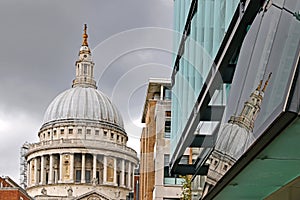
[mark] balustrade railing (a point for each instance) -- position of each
(78, 143)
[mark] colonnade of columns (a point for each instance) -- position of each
(80, 168)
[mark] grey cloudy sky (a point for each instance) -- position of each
(40, 40)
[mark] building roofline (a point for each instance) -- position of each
(166, 81)
(151, 90)
(15, 186)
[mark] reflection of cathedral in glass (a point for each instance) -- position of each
(234, 138)
(82, 152)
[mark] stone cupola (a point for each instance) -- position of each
(84, 65)
(251, 108)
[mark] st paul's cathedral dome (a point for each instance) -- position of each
(83, 103)
(82, 151)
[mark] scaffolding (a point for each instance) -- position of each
(23, 165)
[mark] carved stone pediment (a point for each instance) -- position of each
(93, 195)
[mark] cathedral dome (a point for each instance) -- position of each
(82, 149)
(83, 103)
(236, 136)
(233, 140)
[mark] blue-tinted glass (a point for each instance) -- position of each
(208, 28)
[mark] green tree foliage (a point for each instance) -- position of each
(186, 188)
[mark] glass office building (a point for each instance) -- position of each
(203, 25)
(226, 48)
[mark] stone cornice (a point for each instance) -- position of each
(83, 122)
(81, 144)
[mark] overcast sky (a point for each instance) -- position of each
(40, 40)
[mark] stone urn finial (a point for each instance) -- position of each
(44, 191)
(70, 192)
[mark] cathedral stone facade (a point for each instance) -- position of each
(82, 152)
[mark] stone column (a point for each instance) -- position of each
(94, 165)
(104, 169)
(115, 171)
(56, 176)
(42, 170)
(132, 183)
(51, 137)
(50, 181)
(129, 177)
(31, 173)
(35, 172)
(83, 168)
(161, 92)
(72, 167)
(122, 174)
(60, 168)
(28, 173)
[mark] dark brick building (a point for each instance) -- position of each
(9, 190)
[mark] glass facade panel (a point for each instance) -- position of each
(278, 2)
(208, 27)
(281, 62)
(292, 5)
(271, 46)
(254, 53)
(184, 159)
(170, 180)
(173, 181)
